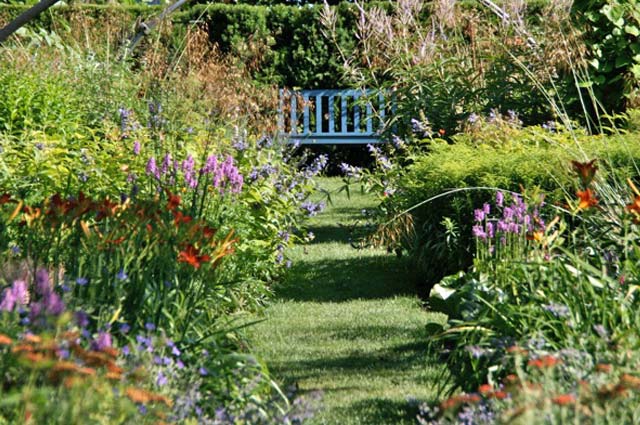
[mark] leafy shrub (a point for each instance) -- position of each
(57, 368)
(163, 210)
(611, 34)
(545, 325)
(493, 156)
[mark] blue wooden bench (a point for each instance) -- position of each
(331, 116)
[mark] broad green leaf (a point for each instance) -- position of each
(441, 292)
(633, 30)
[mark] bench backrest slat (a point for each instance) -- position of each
(318, 113)
(349, 112)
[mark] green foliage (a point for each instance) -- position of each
(494, 156)
(279, 44)
(612, 35)
(557, 305)
(36, 102)
(145, 186)
(442, 65)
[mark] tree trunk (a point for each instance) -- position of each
(25, 17)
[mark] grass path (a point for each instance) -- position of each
(345, 322)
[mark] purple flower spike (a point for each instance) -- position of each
(161, 380)
(490, 230)
(82, 319)
(43, 286)
(514, 228)
(499, 199)
(102, 341)
(508, 214)
(478, 232)
(54, 304)
(167, 163)
(14, 296)
(152, 168)
(478, 215)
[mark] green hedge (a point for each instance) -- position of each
(532, 158)
(289, 39)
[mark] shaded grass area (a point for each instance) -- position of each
(347, 322)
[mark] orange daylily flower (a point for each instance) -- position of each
(612, 391)
(456, 401)
(59, 206)
(564, 399)
(180, 218)
(535, 236)
(32, 339)
(634, 207)
(111, 352)
(5, 340)
(208, 232)
(114, 368)
(514, 349)
(31, 214)
(5, 198)
(191, 256)
(603, 367)
(511, 379)
(630, 381)
(485, 389)
(106, 209)
(65, 366)
(139, 395)
(500, 395)
(22, 348)
(544, 362)
(174, 202)
(35, 358)
(95, 358)
(587, 199)
(81, 206)
(585, 170)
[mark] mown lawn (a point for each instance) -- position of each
(346, 322)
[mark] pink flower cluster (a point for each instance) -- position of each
(220, 172)
(47, 303)
(516, 219)
(15, 296)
